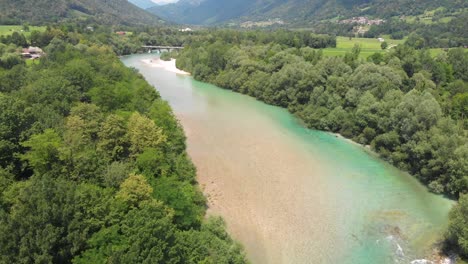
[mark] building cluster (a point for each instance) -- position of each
(185, 30)
(362, 21)
(32, 53)
(269, 22)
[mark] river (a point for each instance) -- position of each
(291, 194)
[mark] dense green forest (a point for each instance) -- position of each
(124, 45)
(93, 166)
(109, 12)
(409, 107)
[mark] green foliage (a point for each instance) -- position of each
(401, 105)
(161, 113)
(458, 227)
(113, 138)
(188, 202)
(384, 45)
(115, 174)
(17, 39)
(213, 244)
(15, 120)
(47, 214)
(10, 60)
(436, 33)
(458, 58)
(153, 162)
(75, 130)
(143, 133)
(167, 56)
(108, 13)
(134, 190)
(44, 153)
(138, 235)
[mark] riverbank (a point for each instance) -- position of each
(294, 195)
(166, 65)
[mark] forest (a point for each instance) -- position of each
(408, 106)
(93, 163)
(160, 36)
(43, 12)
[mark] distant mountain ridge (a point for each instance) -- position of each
(100, 11)
(292, 11)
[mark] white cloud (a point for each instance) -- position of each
(163, 2)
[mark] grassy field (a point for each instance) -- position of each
(8, 30)
(429, 15)
(368, 46)
(30, 63)
(365, 43)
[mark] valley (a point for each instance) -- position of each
(233, 132)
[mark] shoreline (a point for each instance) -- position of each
(242, 206)
(367, 148)
(438, 257)
(166, 65)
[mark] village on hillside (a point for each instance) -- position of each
(362, 21)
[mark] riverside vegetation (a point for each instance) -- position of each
(409, 107)
(68, 122)
(93, 164)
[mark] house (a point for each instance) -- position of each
(381, 39)
(121, 33)
(90, 28)
(32, 53)
(185, 30)
(362, 21)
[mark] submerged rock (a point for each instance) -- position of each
(422, 261)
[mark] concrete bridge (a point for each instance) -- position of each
(150, 49)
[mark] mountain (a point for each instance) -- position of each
(202, 11)
(293, 11)
(144, 4)
(109, 12)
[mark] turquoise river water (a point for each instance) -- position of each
(291, 194)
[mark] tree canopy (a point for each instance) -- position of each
(93, 166)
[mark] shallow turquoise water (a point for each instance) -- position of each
(380, 214)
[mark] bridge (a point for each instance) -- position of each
(149, 48)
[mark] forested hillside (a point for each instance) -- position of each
(295, 12)
(109, 12)
(93, 167)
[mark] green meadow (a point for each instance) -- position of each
(369, 46)
(9, 29)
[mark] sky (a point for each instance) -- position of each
(161, 2)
